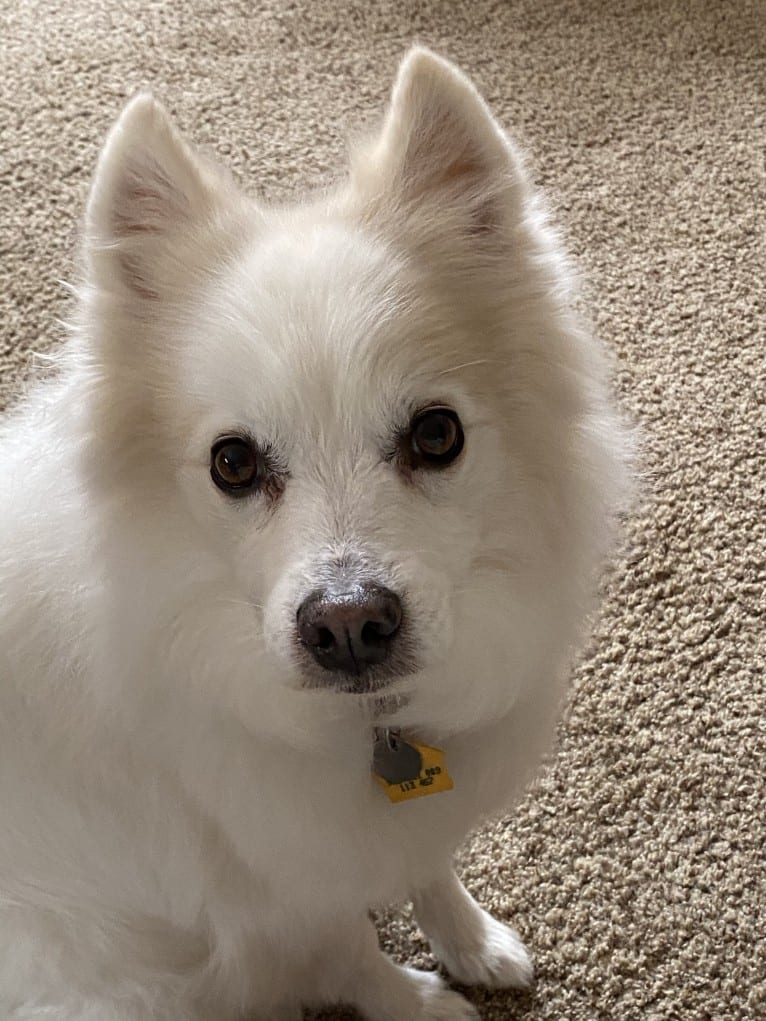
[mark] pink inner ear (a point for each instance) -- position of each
(438, 162)
(146, 204)
(465, 166)
(146, 201)
(131, 269)
(441, 152)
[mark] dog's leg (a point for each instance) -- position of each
(472, 946)
(363, 976)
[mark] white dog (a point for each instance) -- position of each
(300, 536)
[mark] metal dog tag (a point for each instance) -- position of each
(408, 770)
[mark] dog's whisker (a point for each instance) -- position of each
(467, 365)
(231, 601)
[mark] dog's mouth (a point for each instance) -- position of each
(369, 683)
(380, 691)
(387, 704)
(352, 685)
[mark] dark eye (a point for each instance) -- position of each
(234, 465)
(436, 437)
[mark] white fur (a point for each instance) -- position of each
(188, 830)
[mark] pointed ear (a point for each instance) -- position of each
(440, 143)
(150, 188)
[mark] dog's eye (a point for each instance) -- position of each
(436, 437)
(234, 465)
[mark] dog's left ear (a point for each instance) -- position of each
(440, 147)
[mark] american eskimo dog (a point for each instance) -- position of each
(294, 549)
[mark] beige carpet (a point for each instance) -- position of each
(636, 867)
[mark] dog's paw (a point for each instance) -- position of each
(494, 958)
(438, 1002)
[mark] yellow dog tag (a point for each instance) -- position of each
(408, 770)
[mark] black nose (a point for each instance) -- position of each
(351, 629)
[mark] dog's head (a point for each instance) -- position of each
(370, 416)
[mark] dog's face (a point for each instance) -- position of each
(338, 454)
(359, 407)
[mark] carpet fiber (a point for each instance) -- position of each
(635, 867)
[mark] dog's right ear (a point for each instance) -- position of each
(440, 152)
(151, 194)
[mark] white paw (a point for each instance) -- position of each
(440, 1003)
(494, 958)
